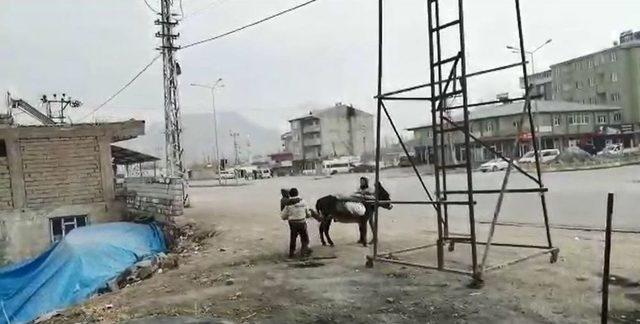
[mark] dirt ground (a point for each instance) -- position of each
(242, 275)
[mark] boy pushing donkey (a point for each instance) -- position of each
(294, 210)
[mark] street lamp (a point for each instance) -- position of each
(533, 71)
(217, 84)
(517, 50)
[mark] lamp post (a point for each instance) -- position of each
(533, 71)
(217, 84)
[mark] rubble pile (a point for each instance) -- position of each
(144, 270)
(182, 240)
(186, 239)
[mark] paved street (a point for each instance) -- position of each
(574, 198)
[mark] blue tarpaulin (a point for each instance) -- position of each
(74, 269)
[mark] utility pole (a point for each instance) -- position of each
(235, 147)
(249, 156)
(171, 70)
(64, 101)
(363, 131)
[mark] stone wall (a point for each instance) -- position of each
(157, 198)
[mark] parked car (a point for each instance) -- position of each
(494, 165)
(611, 149)
(264, 174)
(227, 174)
(309, 172)
(545, 156)
(363, 167)
(405, 161)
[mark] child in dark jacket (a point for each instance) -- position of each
(285, 198)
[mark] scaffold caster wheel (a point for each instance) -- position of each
(369, 263)
(452, 246)
(554, 256)
(476, 283)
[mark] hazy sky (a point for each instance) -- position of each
(311, 58)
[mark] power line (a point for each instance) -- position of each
(198, 11)
(181, 11)
(122, 88)
(150, 7)
(190, 45)
(250, 25)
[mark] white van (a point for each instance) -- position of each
(336, 166)
(545, 156)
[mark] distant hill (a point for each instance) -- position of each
(198, 137)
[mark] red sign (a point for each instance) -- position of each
(525, 136)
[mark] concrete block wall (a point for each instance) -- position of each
(61, 171)
(160, 198)
(6, 196)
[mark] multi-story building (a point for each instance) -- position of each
(607, 77)
(285, 139)
(542, 84)
(328, 133)
(560, 125)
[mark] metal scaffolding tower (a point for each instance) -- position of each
(449, 93)
(171, 69)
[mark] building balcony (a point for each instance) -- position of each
(312, 142)
(311, 129)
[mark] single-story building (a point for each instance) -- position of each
(54, 178)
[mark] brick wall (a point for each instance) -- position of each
(61, 171)
(160, 198)
(6, 197)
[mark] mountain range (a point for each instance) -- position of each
(198, 137)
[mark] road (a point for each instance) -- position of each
(574, 198)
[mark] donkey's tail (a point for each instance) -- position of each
(317, 215)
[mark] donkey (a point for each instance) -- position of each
(328, 209)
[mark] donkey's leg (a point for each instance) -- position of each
(370, 221)
(322, 232)
(326, 231)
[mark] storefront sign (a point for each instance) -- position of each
(626, 128)
(525, 136)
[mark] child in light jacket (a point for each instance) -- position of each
(296, 213)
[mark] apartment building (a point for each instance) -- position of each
(542, 84)
(341, 130)
(607, 77)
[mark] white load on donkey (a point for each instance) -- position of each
(348, 209)
(351, 204)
